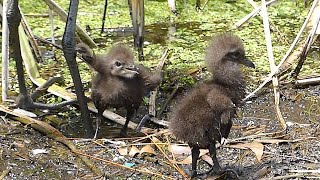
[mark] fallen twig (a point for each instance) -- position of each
(53, 40)
(273, 27)
(151, 135)
(205, 4)
(51, 132)
(172, 163)
(4, 174)
(284, 177)
(152, 99)
(305, 171)
(307, 81)
(50, 43)
(255, 136)
(122, 166)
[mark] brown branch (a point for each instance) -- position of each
(307, 81)
(31, 38)
(311, 37)
(163, 107)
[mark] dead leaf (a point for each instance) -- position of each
(255, 130)
(147, 149)
(133, 151)
(123, 151)
(188, 160)
(158, 142)
(155, 140)
(255, 147)
(179, 150)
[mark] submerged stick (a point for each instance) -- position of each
(63, 16)
(275, 81)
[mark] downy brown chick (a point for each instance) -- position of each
(204, 115)
(119, 82)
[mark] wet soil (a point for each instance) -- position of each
(296, 155)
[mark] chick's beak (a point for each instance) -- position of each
(133, 69)
(247, 62)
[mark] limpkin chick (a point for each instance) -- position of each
(204, 115)
(119, 82)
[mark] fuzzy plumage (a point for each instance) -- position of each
(119, 81)
(204, 115)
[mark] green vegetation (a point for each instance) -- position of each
(186, 36)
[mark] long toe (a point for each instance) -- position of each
(231, 173)
(193, 174)
(216, 171)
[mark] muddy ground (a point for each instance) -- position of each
(290, 154)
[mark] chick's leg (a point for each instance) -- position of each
(213, 153)
(130, 113)
(98, 122)
(195, 152)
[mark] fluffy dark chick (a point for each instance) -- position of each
(119, 82)
(204, 115)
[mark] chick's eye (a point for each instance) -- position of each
(118, 63)
(237, 54)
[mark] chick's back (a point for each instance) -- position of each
(197, 116)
